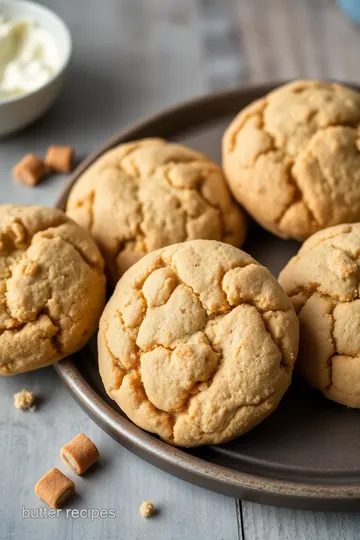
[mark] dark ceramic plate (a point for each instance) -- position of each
(307, 453)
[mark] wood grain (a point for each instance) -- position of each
(266, 523)
(132, 57)
(255, 41)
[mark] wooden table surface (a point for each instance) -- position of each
(133, 57)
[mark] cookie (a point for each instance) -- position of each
(148, 194)
(52, 287)
(197, 343)
(323, 282)
(292, 158)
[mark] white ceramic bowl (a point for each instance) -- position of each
(19, 111)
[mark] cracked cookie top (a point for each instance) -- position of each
(197, 343)
(52, 287)
(292, 158)
(148, 194)
(323, 281)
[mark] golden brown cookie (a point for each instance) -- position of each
(148, 194)
(52, 287)
(323, 282)
(292, 158)
(197, 343)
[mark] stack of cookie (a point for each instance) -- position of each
(198, 341)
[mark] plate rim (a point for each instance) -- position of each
(215, 477)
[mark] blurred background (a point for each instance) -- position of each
(134, 57)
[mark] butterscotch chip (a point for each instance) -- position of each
(60, 158)
(24, 399)
(80, 453)
(30, 170)
(148, 194)
(147, 509)
(323, 282)
(292, 158)
(197, 343)
(52, 287)
(55, 488)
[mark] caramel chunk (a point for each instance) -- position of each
(80, 453)
(147, 509)
(59, 158)
(55, 488)
(24, 399)
(30, 170)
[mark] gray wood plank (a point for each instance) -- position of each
(224, 63)
(132, 57)
(268, 523)
(285, 39)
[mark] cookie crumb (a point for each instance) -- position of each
(59, 158)
(30, 170)
(29, 268)
(147, 509)
(24, 400)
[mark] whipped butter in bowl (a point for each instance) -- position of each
(35, 48)
(29, 57)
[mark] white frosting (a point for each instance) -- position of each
(29, 57)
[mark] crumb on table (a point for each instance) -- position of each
(24, 399)
(147, 509)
